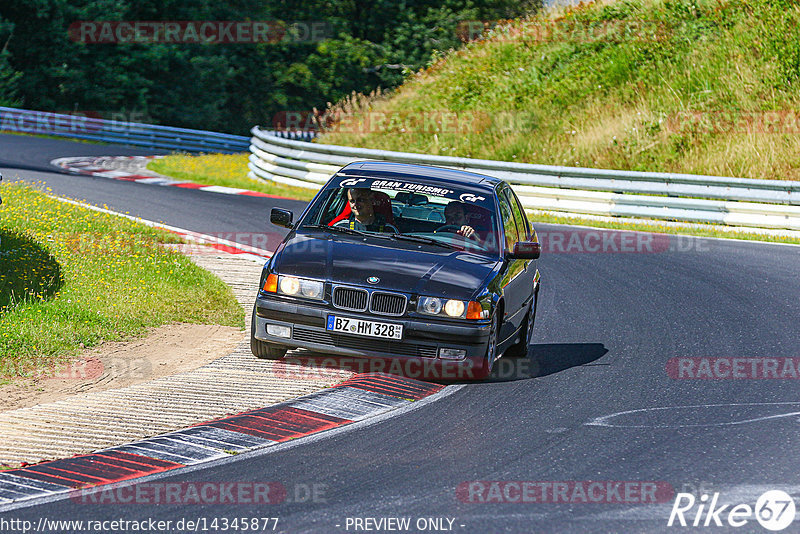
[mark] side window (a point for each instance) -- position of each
(325, 207)
(519, 215)
(509, 226)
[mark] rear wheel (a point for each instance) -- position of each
(262, 349)
(485, 368)
(520, 349)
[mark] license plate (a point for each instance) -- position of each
(361, 327)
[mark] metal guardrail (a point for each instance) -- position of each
(129, 133)
(565, 190)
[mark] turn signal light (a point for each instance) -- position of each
(271, 283)
(474, 310)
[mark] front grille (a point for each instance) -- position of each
(348, 298)
(388, 303)
(361, 343)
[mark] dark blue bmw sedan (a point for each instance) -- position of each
(432, 269)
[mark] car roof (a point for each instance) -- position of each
(426, 173)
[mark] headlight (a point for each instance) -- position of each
(289, 285)
(301, 287)
(311, 289)
(429, 305)
(454, 308)
(437, 306)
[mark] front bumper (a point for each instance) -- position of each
(416, 355)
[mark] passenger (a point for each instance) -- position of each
(362, 213)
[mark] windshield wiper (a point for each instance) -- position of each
(422, 239)
(345, 230)
(342, 229)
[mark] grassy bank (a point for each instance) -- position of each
(70, 276)
(229, 170)
(706, 87)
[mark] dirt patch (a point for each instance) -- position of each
(166, 350)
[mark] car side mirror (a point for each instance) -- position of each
(281, 217)
(526, 250)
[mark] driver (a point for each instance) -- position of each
(455, 215)
(362, 213)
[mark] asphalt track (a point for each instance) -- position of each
(210, 213)
(608, 324)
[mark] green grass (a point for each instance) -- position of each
(72, 276)
(628, 84)
(229, 170)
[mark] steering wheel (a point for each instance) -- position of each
(454, 228)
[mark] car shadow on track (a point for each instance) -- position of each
(554, 357)
(541, 360)
(546, 359)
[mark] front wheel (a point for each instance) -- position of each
(262, 349)
(485, 369)
(266, 351)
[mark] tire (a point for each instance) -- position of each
(491, 352)
(520, 348)
(262, 349)
(266, 351)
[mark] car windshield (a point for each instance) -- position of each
(433, 214)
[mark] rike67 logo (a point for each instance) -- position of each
(774, 510)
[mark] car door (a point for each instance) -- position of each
(526, 233)
(514, 282)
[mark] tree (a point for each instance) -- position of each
(225, 87)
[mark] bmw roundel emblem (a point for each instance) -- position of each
(373, 279)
